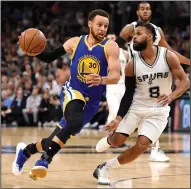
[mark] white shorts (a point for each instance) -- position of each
(114, 94)
(151, 121)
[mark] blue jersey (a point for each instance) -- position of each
(86, 60)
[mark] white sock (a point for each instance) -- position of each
(112, 163)
(157, 145)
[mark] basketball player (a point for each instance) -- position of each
(92, 56)
(144, 14)
(114, 93)
(148, 80)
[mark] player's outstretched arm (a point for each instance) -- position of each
(125, 35)
(67, 47)
(113, 76)
(163, 43)
(178, 73)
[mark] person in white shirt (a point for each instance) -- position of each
(32, 104)
(114, 93)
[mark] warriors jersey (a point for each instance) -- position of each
(156, 42)
(85, 61)
(151, 80)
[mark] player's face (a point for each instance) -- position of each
(144, 12)
(62, 75)
(111, 37)
(140, 39)
(98, 27)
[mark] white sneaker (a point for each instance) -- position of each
(101, 173)
(157, 155)
(102, 145)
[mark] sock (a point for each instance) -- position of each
(53, 149)
(112, 163)
(157, 145)
(30, 149)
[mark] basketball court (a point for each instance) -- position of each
(74, 165)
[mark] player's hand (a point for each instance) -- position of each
(165, 99)
(93, 80)
(112, 126)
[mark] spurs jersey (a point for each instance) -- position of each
(151, 80)
(156, 42)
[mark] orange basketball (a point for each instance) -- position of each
(32, 42)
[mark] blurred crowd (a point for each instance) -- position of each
(29, 91)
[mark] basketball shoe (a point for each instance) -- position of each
(157, 155)
(20, 159)
(102, 145)
(101, 173)
(39, 170)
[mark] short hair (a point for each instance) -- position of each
(149, 27)
(143, 2)
(98, 12)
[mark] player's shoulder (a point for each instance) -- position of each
(76, 39)
(111, 47)
(170, 54)
(111, 44)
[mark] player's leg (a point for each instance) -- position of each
(114, 95)
(113, 100)
(35, 115)
(124, 129)
(23, 151)
(74, 116)
(25, 115)
(149, 131)
(72, 103)
(102, 170)
(113, 104)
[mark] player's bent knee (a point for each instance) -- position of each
(45, 142)
(73, 127)
(142, 143)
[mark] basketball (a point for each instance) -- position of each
(32, 41)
